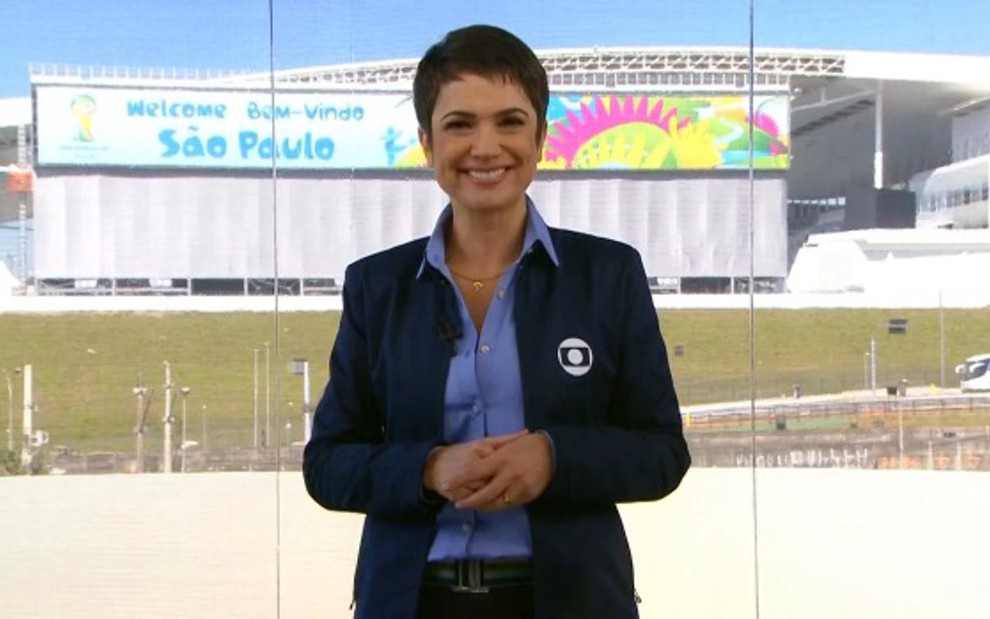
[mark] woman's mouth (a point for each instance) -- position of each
(487, 176)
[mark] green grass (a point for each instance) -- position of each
(86, 365)
(822, 350)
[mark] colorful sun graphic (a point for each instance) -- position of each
(696, 147)
(630, 132)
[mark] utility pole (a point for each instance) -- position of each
(167, 448)
(28, 434)
(10, 412)
(203, 419)
(873, 365)
(139, 426)
(300, 367)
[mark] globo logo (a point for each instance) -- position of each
(575, 356)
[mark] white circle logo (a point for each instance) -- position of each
(575, 356)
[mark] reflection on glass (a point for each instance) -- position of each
(130, 381)
(645, 149)
(886, 226)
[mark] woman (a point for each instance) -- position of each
(497, 387)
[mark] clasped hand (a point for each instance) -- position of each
(492, 473)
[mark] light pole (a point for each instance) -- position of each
(204, 428)
(301, 367)
(184, 391)
(167, 420)
(10, 412)
(288, 422)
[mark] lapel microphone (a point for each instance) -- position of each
(447, 326)
(446, 331)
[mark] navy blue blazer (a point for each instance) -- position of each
(616, 429)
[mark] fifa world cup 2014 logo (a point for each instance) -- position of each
(83, 108)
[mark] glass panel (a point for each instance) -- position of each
(133, 334)
(683, 206)
(859, 412)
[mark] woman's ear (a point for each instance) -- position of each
(424, 141)
(541, 142)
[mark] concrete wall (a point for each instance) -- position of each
(828, 543)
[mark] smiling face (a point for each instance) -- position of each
(484, 143)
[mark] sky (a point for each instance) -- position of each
(235, 34)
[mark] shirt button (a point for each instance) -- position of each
(501, 293)
(476, 408)
(485, 349)
(466, 527)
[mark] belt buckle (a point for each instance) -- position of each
(469, 577)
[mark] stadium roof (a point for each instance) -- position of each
(610, 67)
(587, 67)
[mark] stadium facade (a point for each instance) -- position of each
(149, 181)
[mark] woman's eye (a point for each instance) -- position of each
(456, 124)
(513, 121)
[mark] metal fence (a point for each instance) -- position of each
(807, 383)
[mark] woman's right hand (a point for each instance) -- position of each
(452, 471)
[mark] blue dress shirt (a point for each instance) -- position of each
(483, 398)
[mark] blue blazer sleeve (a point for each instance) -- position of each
(639, 453)
(347, 465)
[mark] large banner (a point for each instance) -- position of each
(232, 129)
(675, 132)
(221, 129)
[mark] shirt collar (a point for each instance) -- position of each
(537, 232)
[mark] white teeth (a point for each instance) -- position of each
(487, 175)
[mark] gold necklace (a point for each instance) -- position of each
(478, 283)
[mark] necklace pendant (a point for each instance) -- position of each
(478, 285)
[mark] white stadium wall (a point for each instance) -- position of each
(160, 225)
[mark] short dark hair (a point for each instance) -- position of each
(486, 51)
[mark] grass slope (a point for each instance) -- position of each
(86, 365)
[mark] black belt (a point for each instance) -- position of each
(476, 575)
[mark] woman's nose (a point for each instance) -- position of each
(486, 142)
